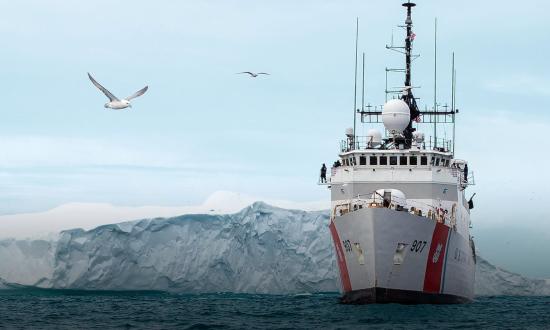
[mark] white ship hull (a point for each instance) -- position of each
(386, 255)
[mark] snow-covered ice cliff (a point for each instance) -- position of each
(3, 285)
(492, 280)
(261, 249)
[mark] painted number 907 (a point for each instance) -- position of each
(418, 246)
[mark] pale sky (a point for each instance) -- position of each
(202, 128)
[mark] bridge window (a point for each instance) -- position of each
(413, 160)
(423, 160)
(437, 161)
(362, 160)
(393, 160)
(383, 160)
(373, 160)
(403, 160)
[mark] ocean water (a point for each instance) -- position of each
(60, 309)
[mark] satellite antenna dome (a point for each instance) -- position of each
(418, 137)
(394, 196)
(349, 132)
(396, 116)
(374, 138)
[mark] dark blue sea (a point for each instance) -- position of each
(58, 309)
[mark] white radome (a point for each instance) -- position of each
(418, 137)
(396, 115)
(374, 138)
(397, 196)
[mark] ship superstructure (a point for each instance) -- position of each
(400, 218)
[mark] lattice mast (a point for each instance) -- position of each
(434, 116)
(407, 95)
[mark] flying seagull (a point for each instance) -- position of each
(114, 102)
(254, 75)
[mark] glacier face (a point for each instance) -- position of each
(261, 249)
(492, 280)
(27, 262)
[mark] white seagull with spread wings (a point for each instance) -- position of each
(252, 74)
(114, 102)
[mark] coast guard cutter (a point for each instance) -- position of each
(400, 218)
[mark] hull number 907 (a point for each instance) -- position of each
(418, 246)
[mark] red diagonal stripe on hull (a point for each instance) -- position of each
(344, 275)
(436, 259)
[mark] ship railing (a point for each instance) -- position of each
(411, 206)
(466, 181)
(470, 181)
(365, 143)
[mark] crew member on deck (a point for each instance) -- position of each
(466, 173)
(323, 174)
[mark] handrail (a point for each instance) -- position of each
(470, 180)
(437, 213)
(365, 143)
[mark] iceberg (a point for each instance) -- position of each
(260, 249)
(492, 281)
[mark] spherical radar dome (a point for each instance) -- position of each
(374, 137)
(418, 137)
(396, 115)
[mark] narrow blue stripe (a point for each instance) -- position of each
(445, 262)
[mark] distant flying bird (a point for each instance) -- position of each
(254, 75)
(114, 102)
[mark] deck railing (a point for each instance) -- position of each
(365, 142)
(376, 200)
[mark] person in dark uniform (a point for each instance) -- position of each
(466, 172)
(323, 174)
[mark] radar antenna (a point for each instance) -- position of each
(406, 92)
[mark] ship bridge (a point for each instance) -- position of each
(395, 167)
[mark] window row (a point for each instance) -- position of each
(397, 160)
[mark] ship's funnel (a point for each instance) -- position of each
(396, 116)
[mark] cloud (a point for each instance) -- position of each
(511, 183)
(519, 84)
(62, 151)
(67, 154)
(91, 215)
